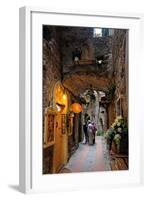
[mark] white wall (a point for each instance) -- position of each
(9, 33)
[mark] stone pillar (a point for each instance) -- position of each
(96, 107)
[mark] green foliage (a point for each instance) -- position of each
(116, 131)
(100, 133)
(109, 134)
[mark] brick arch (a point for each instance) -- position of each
(78, 82)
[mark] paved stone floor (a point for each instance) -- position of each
(89, 158)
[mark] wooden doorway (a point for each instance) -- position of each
(58, 143)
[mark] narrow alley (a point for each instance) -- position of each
(85, 99)
(90, 158)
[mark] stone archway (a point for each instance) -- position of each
(78, 82)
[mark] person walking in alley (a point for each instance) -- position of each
(90, 133)
(85, 129)
(94, 129)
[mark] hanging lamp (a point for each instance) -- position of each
(76, 108)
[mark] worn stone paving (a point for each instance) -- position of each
(90, 158)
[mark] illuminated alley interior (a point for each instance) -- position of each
(85, 99)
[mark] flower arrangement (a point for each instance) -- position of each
(118, 124)
(116, 131)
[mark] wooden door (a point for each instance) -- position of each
(58, 143)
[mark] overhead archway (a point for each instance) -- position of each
(78, 82)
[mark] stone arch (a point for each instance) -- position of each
(78, 82)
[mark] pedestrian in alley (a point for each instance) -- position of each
(94, 129)
(85, 129)
(90, 133)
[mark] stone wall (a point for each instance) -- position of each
(111, 112)
(75, 37)
(51, 74)
(120, 63)
(119, 102)
(90, 46)
(103, 50)
(102, 123)
(51, 64)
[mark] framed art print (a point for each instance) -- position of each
(80, 116)
(49, 127)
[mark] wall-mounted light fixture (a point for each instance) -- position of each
(60, 107)
(64, 97)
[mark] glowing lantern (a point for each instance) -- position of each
(76, 108)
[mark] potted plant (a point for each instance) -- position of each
(116, 134)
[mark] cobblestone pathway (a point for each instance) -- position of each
(89, 158)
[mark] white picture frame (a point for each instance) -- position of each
(30, 159)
